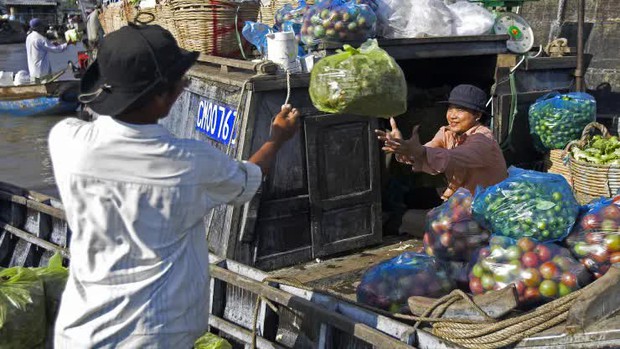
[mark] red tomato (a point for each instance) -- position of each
(531, 277)
(569, 280)
(548, 270)
(590, 222)
(612, 242)
(588, 263)
(611, 212)
(446, 239)
(531, 294)
(544, 253)
(615, 258)
(526, 244)
(475, 286)
(594, 238)
(427, 239)
(529, 260)
(520, 286)
(600, 256)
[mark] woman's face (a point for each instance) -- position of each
(460, 119)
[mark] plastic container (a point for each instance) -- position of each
(282, 50)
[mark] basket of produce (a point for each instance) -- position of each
(555, 163)
(595, 164)
(213, 27)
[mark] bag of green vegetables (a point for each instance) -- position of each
(556, 119)
(364, 81)
(22, 309)
(54, 278)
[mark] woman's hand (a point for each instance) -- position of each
(403, 149)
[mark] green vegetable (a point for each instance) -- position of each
(364, 81)
(557, 119)
(22, 309)
(599, 150)
(211, 341)
(54, 278)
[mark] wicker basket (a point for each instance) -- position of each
(591, 181)
(268, 9)
(116, 15)
(554, 163)
(162, 16)
(213, 27)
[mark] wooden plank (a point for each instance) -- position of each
(263, 67)
(241, 334)
(599, 300)
(41, 207)
(496, 304)
(339, 321)
(33, 239)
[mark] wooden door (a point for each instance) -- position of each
(343, 182)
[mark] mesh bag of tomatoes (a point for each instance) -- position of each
(365, 81)
(388, 285)
(528, 204)
(540, 271)
(595, 239)
(451, 232)
(338, 21)
(556, 119)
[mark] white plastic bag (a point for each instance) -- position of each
(414, 18)
(22, 78)
(471, 19)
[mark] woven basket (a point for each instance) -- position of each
(554, 163)
(213, 27)
(162, 16)
(591, 181)
(116, 15)
(268, 9)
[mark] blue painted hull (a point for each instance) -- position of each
(37, 107)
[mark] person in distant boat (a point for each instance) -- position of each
(37, 48)
(464, 150)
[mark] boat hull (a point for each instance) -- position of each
(38, 106)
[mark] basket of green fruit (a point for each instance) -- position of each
(594, 164)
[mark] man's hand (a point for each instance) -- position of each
(285, 124)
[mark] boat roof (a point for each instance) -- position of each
(29, 2)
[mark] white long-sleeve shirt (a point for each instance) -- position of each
(135, 197)
(37, 48)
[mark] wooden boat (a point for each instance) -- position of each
(246, 302)
(53, 98)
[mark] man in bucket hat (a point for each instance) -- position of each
(465, 150)
(135, 197)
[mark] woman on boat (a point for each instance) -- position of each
(465, 150)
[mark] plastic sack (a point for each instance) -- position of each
(338, 21)
(54, 278)
(364, 81)
(388, 285)
(595, 239)
(471, 19)
(211, 341)
(541, 272)
(288, 13)
(556, 119)
(256, 34)
(414, 18)
(451, 233)
(22, 78)
(528, 204)
(22, 309)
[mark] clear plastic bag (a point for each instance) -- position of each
(595, 239)
(451, 232)
(527, 204)
(388, 285)
(414, 18)
(22, 309)
(540, 271)
(471, 18)
(338, 21)
(54, 278)
(288, 13)
(556, 119)
(364, 81)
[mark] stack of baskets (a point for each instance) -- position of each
(117, 15)
(591, 181)
(213, 27)
(268, 9)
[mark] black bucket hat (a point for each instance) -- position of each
(468, 96)
(131, 62)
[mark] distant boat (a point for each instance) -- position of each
(53, 98)
(12, 32)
